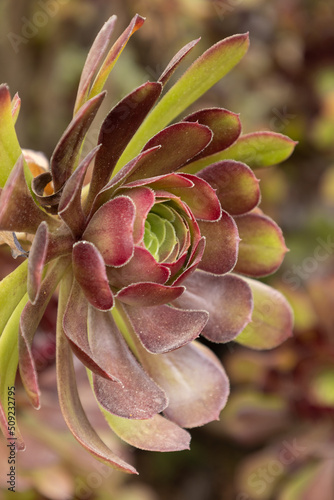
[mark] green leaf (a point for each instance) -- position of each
(9, 357)
(272, 318)
(9, 147)
(207, 70)
(12, 289)
(257, 150)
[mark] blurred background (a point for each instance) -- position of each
(275, 439)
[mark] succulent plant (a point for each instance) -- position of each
(143, 253)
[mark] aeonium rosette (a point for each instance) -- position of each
(143, 253)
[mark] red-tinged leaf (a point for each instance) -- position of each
(136, 396)
(179, 143)
(18, 211)
(141, 267)
(144, 199)
(272, 318)
(10, 149)
(70, 209)
(112, 56)
(65, 156)
(120, 178)
(222, 241)
(30, 318)
(69, 400)
(196, 385)
(193, 263)
(227, 299)
(236, 186)
(111, 230)
(226, 128)
(257, 150)
(149, 294)
(166, 181)
(262, 247)
(93, 61)
(176, 60)
(164, 328)
(4, 426)
(207, 70)
(39, 184)
(117, 129)
(153, 434)
(16, 105)
(75, 326)
(61, 242)
(90, 272)
(200, 198)
(36, 261)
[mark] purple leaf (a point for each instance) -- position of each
(195, 382)
(225, 125)
(193, 263)
(63, 160)
(111, 230)
(70, 403)
(30, 318)
(90, 272)
(136, 396)
(221, 249)
(176, 60)
(36, 261)
(70, 209)
(227, 299)
(179, 143)
(236, 186)
(262, 247)
(144, 199)
(149, 294)
(117, 129)
(153, 434)
(141, 267)
(200, 198)
(93, 61)
(164, 328)
(18, 211)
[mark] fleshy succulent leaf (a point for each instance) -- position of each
(149, 294)
(93, 61)
(179, 143)
(90, 272)
(225, 125)
(16, 105)
(12, 289)
(272, 318)
(70, 208)
(69, 400)
(141, 267)
(30, 318)
(136, 395)
(116, 131)
(153, 434)
(262, 247)
(257, 150)
(113, 54)
(236, 186)
(143, 198)
(222, 241)
(8, 366)
(65, 156)
(9, 147)
(36, 261)
(176, 60)
(164, 328)
(227, 299)
(18, 211)
(111, 230)
(207, 70)
(196, 385)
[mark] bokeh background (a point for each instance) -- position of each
(275, 440)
